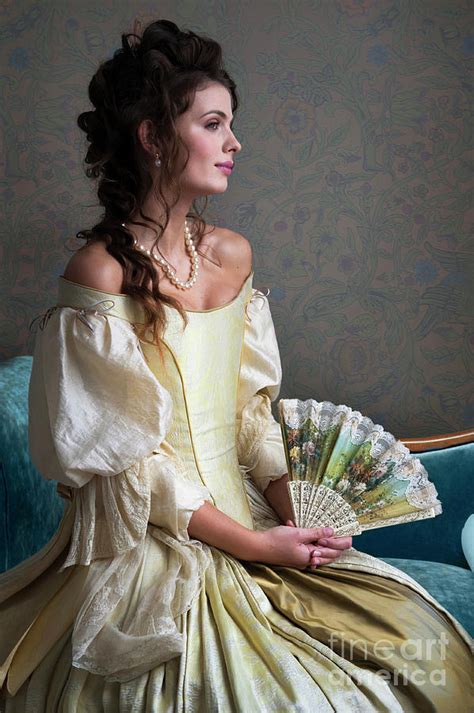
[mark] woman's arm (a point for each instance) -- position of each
(277, 495)
(285, 546)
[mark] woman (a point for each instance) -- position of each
(172, 583)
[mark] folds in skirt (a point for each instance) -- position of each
(256, 639)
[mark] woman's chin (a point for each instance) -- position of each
(212, 184)
(209, 191)
(222, 189)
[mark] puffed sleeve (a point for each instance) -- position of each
(95, 406)
(98, 421)
(259, 440)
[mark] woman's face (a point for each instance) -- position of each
(205, 129)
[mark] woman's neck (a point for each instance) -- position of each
(171, 242)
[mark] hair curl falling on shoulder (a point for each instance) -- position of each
(152, 76)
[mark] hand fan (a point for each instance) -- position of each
(347, 473)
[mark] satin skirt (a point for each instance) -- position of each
(257, 639)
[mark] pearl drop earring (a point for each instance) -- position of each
(157, 161)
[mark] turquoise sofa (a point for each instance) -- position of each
(430, 551)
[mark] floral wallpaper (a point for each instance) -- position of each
(354, 185)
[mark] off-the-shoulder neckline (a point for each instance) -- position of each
(127, 297)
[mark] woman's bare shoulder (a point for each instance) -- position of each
(233, 249)
(93, 266)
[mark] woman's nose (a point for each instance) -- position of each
(235, 145)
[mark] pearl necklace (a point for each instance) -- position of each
(171, 272)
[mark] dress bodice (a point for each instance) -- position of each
(200, 370)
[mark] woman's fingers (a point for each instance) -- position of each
(322, 547)
(312, 534)
(319, 557)
(322, 536)
(328, 553)
(322, 555)
(336, 543)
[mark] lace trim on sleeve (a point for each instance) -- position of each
(110, 516)
(113, 534)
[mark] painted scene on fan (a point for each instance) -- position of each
(373, 472)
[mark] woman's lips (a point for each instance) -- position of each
(225, 169)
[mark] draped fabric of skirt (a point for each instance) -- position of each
(259, 639)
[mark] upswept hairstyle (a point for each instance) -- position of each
(153, 76)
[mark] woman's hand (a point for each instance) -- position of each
(290, 546)
(285, 545)
(326, 549)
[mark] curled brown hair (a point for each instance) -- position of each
(153, 76)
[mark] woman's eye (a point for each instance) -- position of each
(213, 124)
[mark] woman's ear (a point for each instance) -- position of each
(145, 133)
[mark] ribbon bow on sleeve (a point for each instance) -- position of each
(255, 295)
(101, 307)
(95, 309)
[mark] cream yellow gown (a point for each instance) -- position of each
(122, 612)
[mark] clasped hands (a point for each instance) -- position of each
(301, 547)
(306, 547)
(325, 550)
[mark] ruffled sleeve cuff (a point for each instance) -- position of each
(259, 445)
(111, 515)
(174, 499)
(271, 464)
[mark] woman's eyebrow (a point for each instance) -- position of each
(215, 111)
(219, 112)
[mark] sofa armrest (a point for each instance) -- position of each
(30, 508)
